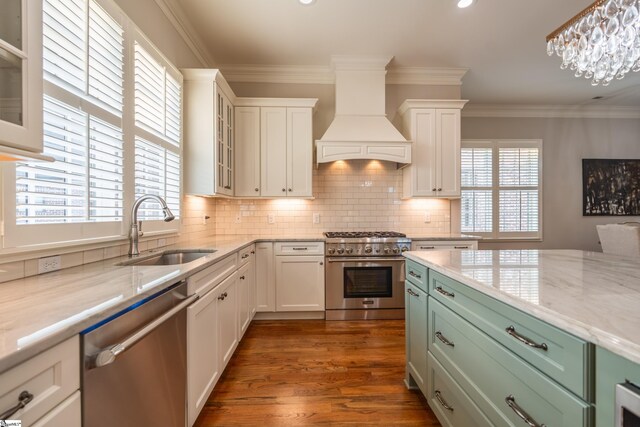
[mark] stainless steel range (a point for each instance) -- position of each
(365, 275)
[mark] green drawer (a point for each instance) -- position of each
(417, 274)
(567, 359)
(490, 373)
(452, 406)
(611, 370)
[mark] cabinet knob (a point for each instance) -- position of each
(221, 297)
(321, 263)
(284, 190)
(433, 189)
(290, 190)
(257, 189)
(253, 252)
(241, 277)
(439, 189)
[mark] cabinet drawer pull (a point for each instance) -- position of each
(413, 294)
(23, 399)
(245, 256)
(444, 340)
(461, 247)
(511, 401)
(442, 402)
(417, 276)
(445, 293)
(512, 331)
(300, 249)
(427, 247)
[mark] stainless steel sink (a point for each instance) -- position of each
(171, 257)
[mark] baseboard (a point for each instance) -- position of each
(289, 315)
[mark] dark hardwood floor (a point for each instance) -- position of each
(313, 372)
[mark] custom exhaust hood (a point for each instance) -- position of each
(360, 128)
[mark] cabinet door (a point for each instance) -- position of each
(244, 311)
(300, 283)
(417, 334)
(247, 158)
(299, 152)
(253, 292)
(265, 278)
(224, 143)
(227, 300)
(422, 172)
(21, 75)
(448, 152)
(202, 351)
(229, 140)
(273, 150)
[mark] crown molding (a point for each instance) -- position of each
(176, 16)
(552, 111)
(292, 74)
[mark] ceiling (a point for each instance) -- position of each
(502, 42)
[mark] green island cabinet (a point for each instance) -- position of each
(479, 361)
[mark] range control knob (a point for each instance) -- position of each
(340, 251)
(367, 249)
(331, 251)
(396, 250)
(404, 249)
(387, 250)
(349, 250)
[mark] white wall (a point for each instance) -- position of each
(565, 143)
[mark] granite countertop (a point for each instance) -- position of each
(592, 295)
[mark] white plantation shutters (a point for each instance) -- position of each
(83, 65)
(501, 188)
(158, 121)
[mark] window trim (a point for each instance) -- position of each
(495, 145)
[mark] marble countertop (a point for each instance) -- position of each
(589, 294)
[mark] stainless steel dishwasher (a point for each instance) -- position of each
(134, 364)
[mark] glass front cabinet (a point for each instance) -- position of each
(20, 77)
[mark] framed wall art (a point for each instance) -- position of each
(610, 187)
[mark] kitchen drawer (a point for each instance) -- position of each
(490, 374)
(417, 274)
(51, 377)
(425, 245)
(205, 280)
(299, 248)
(452, 406)
(245, 254)
(567, 359)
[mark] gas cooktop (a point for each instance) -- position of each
(362, 234)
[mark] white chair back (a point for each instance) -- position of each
(620, 239)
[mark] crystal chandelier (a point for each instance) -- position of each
(600, 43)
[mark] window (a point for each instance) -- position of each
(96, 65)
(501, 189)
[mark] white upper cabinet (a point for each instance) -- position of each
(434, 127)
(274, 147)
(21, 79)
(209, 134)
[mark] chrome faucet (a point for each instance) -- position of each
(136, 227)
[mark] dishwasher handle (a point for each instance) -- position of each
(109, 355)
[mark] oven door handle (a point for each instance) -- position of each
(372, 259)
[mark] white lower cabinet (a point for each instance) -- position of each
(66, 414)
(227, 300)
(265, 278)
(51, 377)
(300, 283)
(202, 343)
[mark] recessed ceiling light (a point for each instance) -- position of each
(307, 2)
(461, 3)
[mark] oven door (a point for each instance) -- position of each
(364, 283)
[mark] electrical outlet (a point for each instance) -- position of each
(271, 218)
(316, 218)
(238, 218)
(48, 264)
(205, 219)
(427, 217)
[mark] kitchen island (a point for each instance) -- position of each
(553, 331)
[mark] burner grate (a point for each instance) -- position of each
(362, 234)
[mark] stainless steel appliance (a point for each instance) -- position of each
(134, 364)
(365, 275)
(627, 405)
